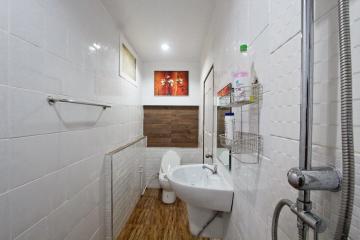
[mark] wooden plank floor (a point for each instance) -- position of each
(154, 220)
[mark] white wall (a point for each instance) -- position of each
(271, 27)
(148, 97)
(51, 157)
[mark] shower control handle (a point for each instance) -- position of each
(320, 178)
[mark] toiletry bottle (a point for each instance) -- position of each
(229, 127)
(241, 78)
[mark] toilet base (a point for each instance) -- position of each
(168, 197)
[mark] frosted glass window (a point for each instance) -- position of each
(127, 63)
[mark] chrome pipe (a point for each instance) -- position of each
(307, 73)
(306, 105)
(275, 220)
(126, 145)
(307, 218)
(52, 100)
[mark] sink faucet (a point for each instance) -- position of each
(214, 171)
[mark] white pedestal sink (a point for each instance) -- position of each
(208, 197)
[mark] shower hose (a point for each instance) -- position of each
(348, 166)
(348, 181)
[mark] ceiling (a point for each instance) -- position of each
(147, 24)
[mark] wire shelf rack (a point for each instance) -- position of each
(247, 95)
(243, 143)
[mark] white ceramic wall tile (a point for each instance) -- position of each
(59, 222)
(259, 17)
(28, 205)
(4, 14)
(56, 70)
(86, 228)
(78, 177)
(95, 166)
(57, 34)
(75, 146)
(81, 83)
(3, 57)
(96, 194)
(324, 6)
(77, 50)
(27, 20)
(80, 206)
(32, 158)
(31, 114)
(285, 21)
(97, 235)
(59, 188)
(26, 63)
(75, 117)
(4, 165)
(4, 111)
(38, 231)
(5, 225)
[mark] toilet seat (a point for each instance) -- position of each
(169, 161)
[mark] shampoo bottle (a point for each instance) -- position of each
(229, 127)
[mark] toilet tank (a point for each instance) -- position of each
(169, 160)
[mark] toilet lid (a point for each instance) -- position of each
(169, 160)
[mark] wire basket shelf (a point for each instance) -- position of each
(243, 143)
(245, 96)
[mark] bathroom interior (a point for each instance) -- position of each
(179, 119)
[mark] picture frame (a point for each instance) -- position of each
(171, 83)
(127, 62)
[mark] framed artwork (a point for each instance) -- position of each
(127, 63)
(171, 83)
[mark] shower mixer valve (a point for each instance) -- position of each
(318, 178)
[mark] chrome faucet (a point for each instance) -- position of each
(214, 170)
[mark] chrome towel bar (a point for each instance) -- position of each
(52, 100)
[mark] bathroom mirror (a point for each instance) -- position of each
(223, 154)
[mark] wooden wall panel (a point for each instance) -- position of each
(171, 126)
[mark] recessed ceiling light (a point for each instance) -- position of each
(165, 47)
(92, 49)
(97, 46)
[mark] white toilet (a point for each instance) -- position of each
(169, 160)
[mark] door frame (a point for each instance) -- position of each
(203, 112)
